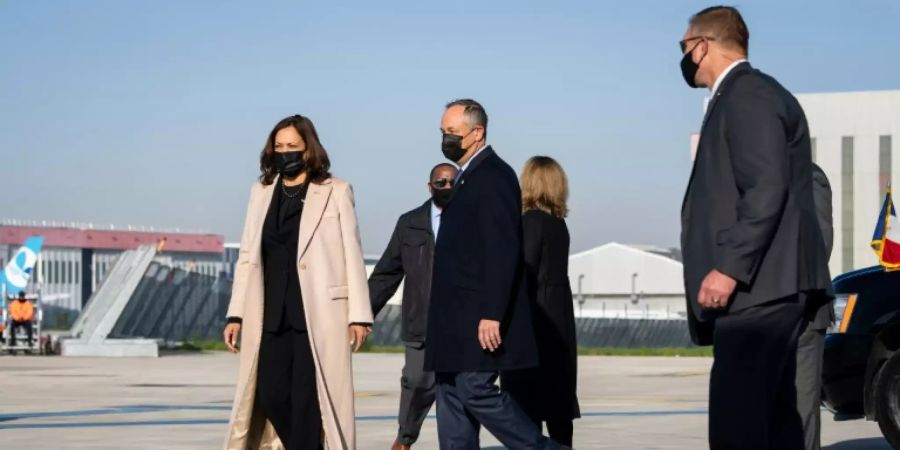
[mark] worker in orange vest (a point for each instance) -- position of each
(21, 311)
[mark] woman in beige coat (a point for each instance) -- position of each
(299, 303)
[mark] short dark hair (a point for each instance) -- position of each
(725, 25)
(435, 168)
(474, 112)
(317, 162)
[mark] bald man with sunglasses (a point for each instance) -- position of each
(409, 256)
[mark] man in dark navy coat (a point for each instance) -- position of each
(479, 319)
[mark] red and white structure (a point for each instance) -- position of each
(76, 257)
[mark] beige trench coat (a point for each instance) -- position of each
(335, 294)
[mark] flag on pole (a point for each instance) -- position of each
(886, 240)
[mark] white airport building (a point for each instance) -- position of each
(854, 138)
(623, 281)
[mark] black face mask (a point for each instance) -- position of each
(441, 197)
(451, 145)
(289, 164)
(689, 68)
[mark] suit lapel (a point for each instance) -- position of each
(429, 224)
(261, 210)
(313, 208)
(713, 102)
(710, 106)
(422, 219)
(476, 161)
(726, 83)
(687, 192)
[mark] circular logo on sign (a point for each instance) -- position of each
(19, 271)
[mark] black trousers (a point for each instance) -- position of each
(559, 430)
(417, 389)
(752, 396)
(810, 354)
(286, 389)
(29, 330)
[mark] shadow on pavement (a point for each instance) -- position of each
(860, 444)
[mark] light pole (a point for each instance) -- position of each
(634, 297)
(580, 296)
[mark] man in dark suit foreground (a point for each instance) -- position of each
(408, 257)
(479, 319)
(754, 257)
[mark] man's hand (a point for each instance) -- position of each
(231, 336)
(716, 290)
(489, 334)
(358, 336)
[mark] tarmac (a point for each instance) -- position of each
(182, 401)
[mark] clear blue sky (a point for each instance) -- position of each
(153, 113)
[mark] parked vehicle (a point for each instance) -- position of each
(861, 370)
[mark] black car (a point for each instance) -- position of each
(861, 370)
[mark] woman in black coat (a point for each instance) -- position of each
(547, 393)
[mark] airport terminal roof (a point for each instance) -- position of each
(83, 237)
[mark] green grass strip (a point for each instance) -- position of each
(645, 351)
(216, 345)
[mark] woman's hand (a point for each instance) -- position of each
(231, 336)
(358, 335)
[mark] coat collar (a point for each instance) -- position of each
(723, 87)
(316, 199)
(420, 218)
(488, 152)
(313, 208)
(738, 70)
(473, 166)
(260, 209)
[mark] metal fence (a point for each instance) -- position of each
(591, 332)
(173, 305)
(632, 333)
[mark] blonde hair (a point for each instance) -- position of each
(545, 186)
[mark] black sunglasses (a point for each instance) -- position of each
(440, 183)
(683, 44)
